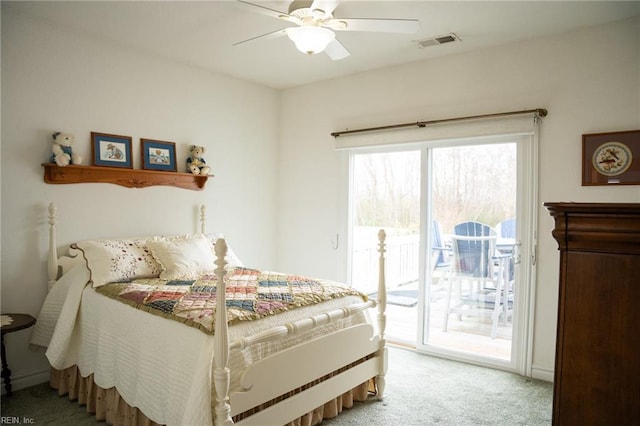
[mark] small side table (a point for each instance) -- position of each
(20, 322)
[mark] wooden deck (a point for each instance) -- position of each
(471, 334)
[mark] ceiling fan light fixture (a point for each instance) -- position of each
(311, 39)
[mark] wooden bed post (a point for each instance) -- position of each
(382, 316)
(52, 258)
(221, 374)
(203, 218)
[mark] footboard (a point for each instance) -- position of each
(318, 371)
(342, 360)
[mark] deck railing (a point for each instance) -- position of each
(402, 260)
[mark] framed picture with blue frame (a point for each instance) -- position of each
(111, 150)
(158, 155)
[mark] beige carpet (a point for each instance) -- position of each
(421, 390)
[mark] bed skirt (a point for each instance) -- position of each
(107, 404)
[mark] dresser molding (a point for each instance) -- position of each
(597, 227)
(130, 178)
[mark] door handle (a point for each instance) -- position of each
(516, 253)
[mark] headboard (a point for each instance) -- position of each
(56, 266)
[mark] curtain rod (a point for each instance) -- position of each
(541, 112)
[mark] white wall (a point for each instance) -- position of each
(54, 79)
(588, 80)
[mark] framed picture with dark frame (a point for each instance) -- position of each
(158, 155)
(111, 150)
(611, 158)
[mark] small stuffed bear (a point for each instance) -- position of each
(62, 154)
(195, 163)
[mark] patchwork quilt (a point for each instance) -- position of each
(250, 294)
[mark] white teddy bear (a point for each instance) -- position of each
(195, 163)
(62, 153)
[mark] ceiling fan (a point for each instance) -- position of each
(316, 24)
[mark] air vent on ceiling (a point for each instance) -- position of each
(441, 39)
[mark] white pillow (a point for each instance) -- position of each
(117, 260)
(183, 257)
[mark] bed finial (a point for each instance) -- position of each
(382, 294)
(203, 218)
(382, 316)
(221, 373)
(52, 259)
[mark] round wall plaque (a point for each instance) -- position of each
(611, 158)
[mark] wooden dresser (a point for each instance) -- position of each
(597, 365)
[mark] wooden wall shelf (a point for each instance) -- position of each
(131, 178)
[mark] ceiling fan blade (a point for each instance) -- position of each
(403, 26)
(267, 36)
(336, 50)
(327, 6)
(260, 9)
(267, 11)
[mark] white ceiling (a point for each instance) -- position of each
(201, 33)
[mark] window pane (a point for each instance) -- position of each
(386, 194)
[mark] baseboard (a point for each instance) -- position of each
(22, 381)
(540, 373)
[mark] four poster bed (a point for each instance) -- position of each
(134, 329)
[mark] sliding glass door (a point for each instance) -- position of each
(470, 283)
(459, 219)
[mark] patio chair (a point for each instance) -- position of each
(470, 249)
(507, 228)
(506, 241)
(476, 285)
(440, 262)
(440, 252)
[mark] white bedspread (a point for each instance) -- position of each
(68, 289)
(162, 367)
